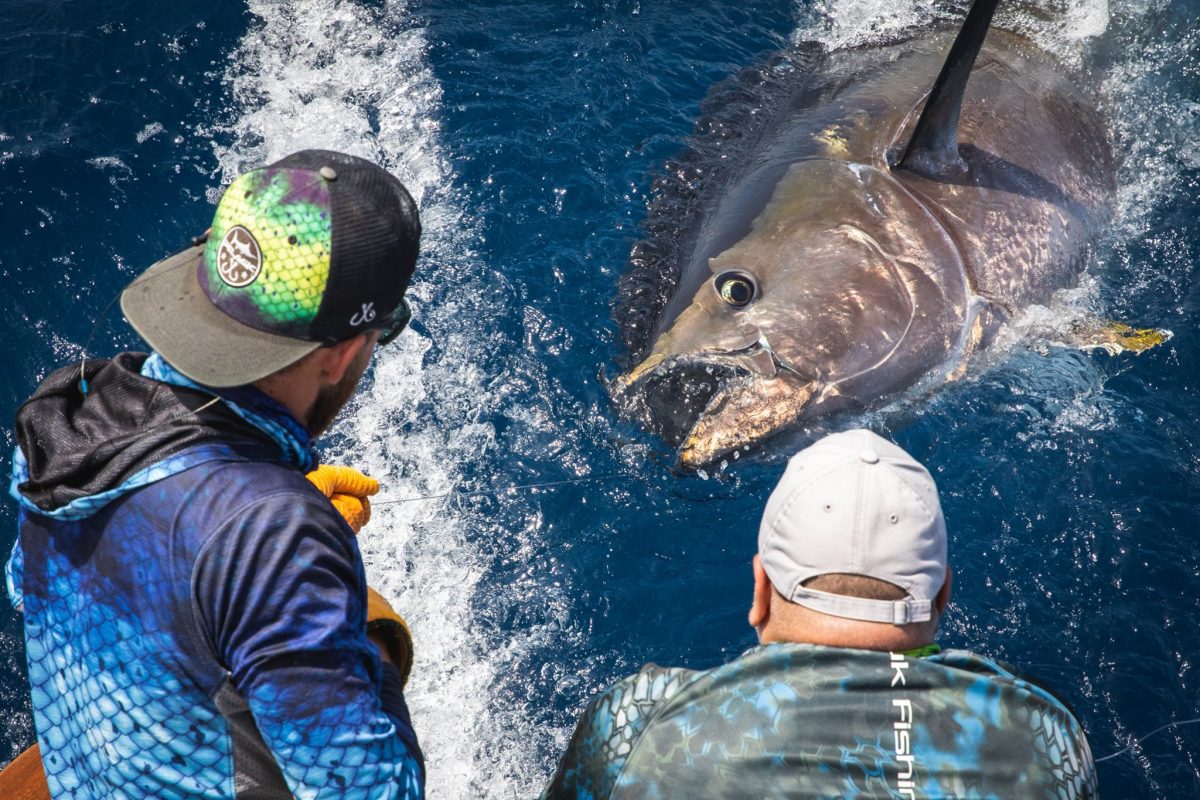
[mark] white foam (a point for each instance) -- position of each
(1156, 127)
(323, 74)
(850, 23)
(109, 162)
(341, 76)
(1059, 26)
(1062, 27)
(149, 132)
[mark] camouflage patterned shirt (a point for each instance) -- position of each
(796, 720)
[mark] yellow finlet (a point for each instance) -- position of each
(1117, 337)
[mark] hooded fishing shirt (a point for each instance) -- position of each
(804, 721)
(195, 610)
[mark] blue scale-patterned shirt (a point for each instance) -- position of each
(803, 721)
(194, 608)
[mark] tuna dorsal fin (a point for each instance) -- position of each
(933, 149)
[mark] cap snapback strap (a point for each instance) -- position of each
(893, 612)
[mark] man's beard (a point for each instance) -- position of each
(330, 399)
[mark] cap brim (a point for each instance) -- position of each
(169, 309)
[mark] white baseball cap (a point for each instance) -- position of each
(857, 504)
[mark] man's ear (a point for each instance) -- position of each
(943, 595)
(760, 608)
(337, 358)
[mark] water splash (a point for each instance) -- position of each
(457, 408)
(1059, 26)
(351, 78)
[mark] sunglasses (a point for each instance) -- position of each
(391, 325)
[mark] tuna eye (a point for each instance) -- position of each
(736, 288)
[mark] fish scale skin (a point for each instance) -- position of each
(123, 685)
(106, 706)
(796, 721)
(287, 212)
(195, 625)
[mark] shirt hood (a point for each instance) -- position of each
(75, 445)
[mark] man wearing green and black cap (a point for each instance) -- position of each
(196, 610)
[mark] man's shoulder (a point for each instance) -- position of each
(650, 685)
(609, 729)
(818, 668)
(250, 477)
(210, 496)
(966, 665)
(825, 721)
(624, 709)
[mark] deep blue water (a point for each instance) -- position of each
(530, 133)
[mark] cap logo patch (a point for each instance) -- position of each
(363, 317)
(239, 258)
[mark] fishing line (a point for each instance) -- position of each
(486, 492)
(1148, 735)
(613, 476)
(83, 384)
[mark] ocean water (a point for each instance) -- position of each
(530, 133)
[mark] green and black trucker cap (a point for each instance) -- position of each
(308, 251)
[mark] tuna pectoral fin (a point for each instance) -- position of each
(1116, 337)
(747, 410)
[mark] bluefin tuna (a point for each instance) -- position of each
(848, 223)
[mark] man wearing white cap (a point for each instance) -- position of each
(847, 695)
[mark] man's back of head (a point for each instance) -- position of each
(307, 252)
(852, 549)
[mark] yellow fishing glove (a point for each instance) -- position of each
(348, 490)
(383, 621)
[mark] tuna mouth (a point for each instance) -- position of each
(705, 405)
(670, 398)
(757, 357)
(708, 404)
